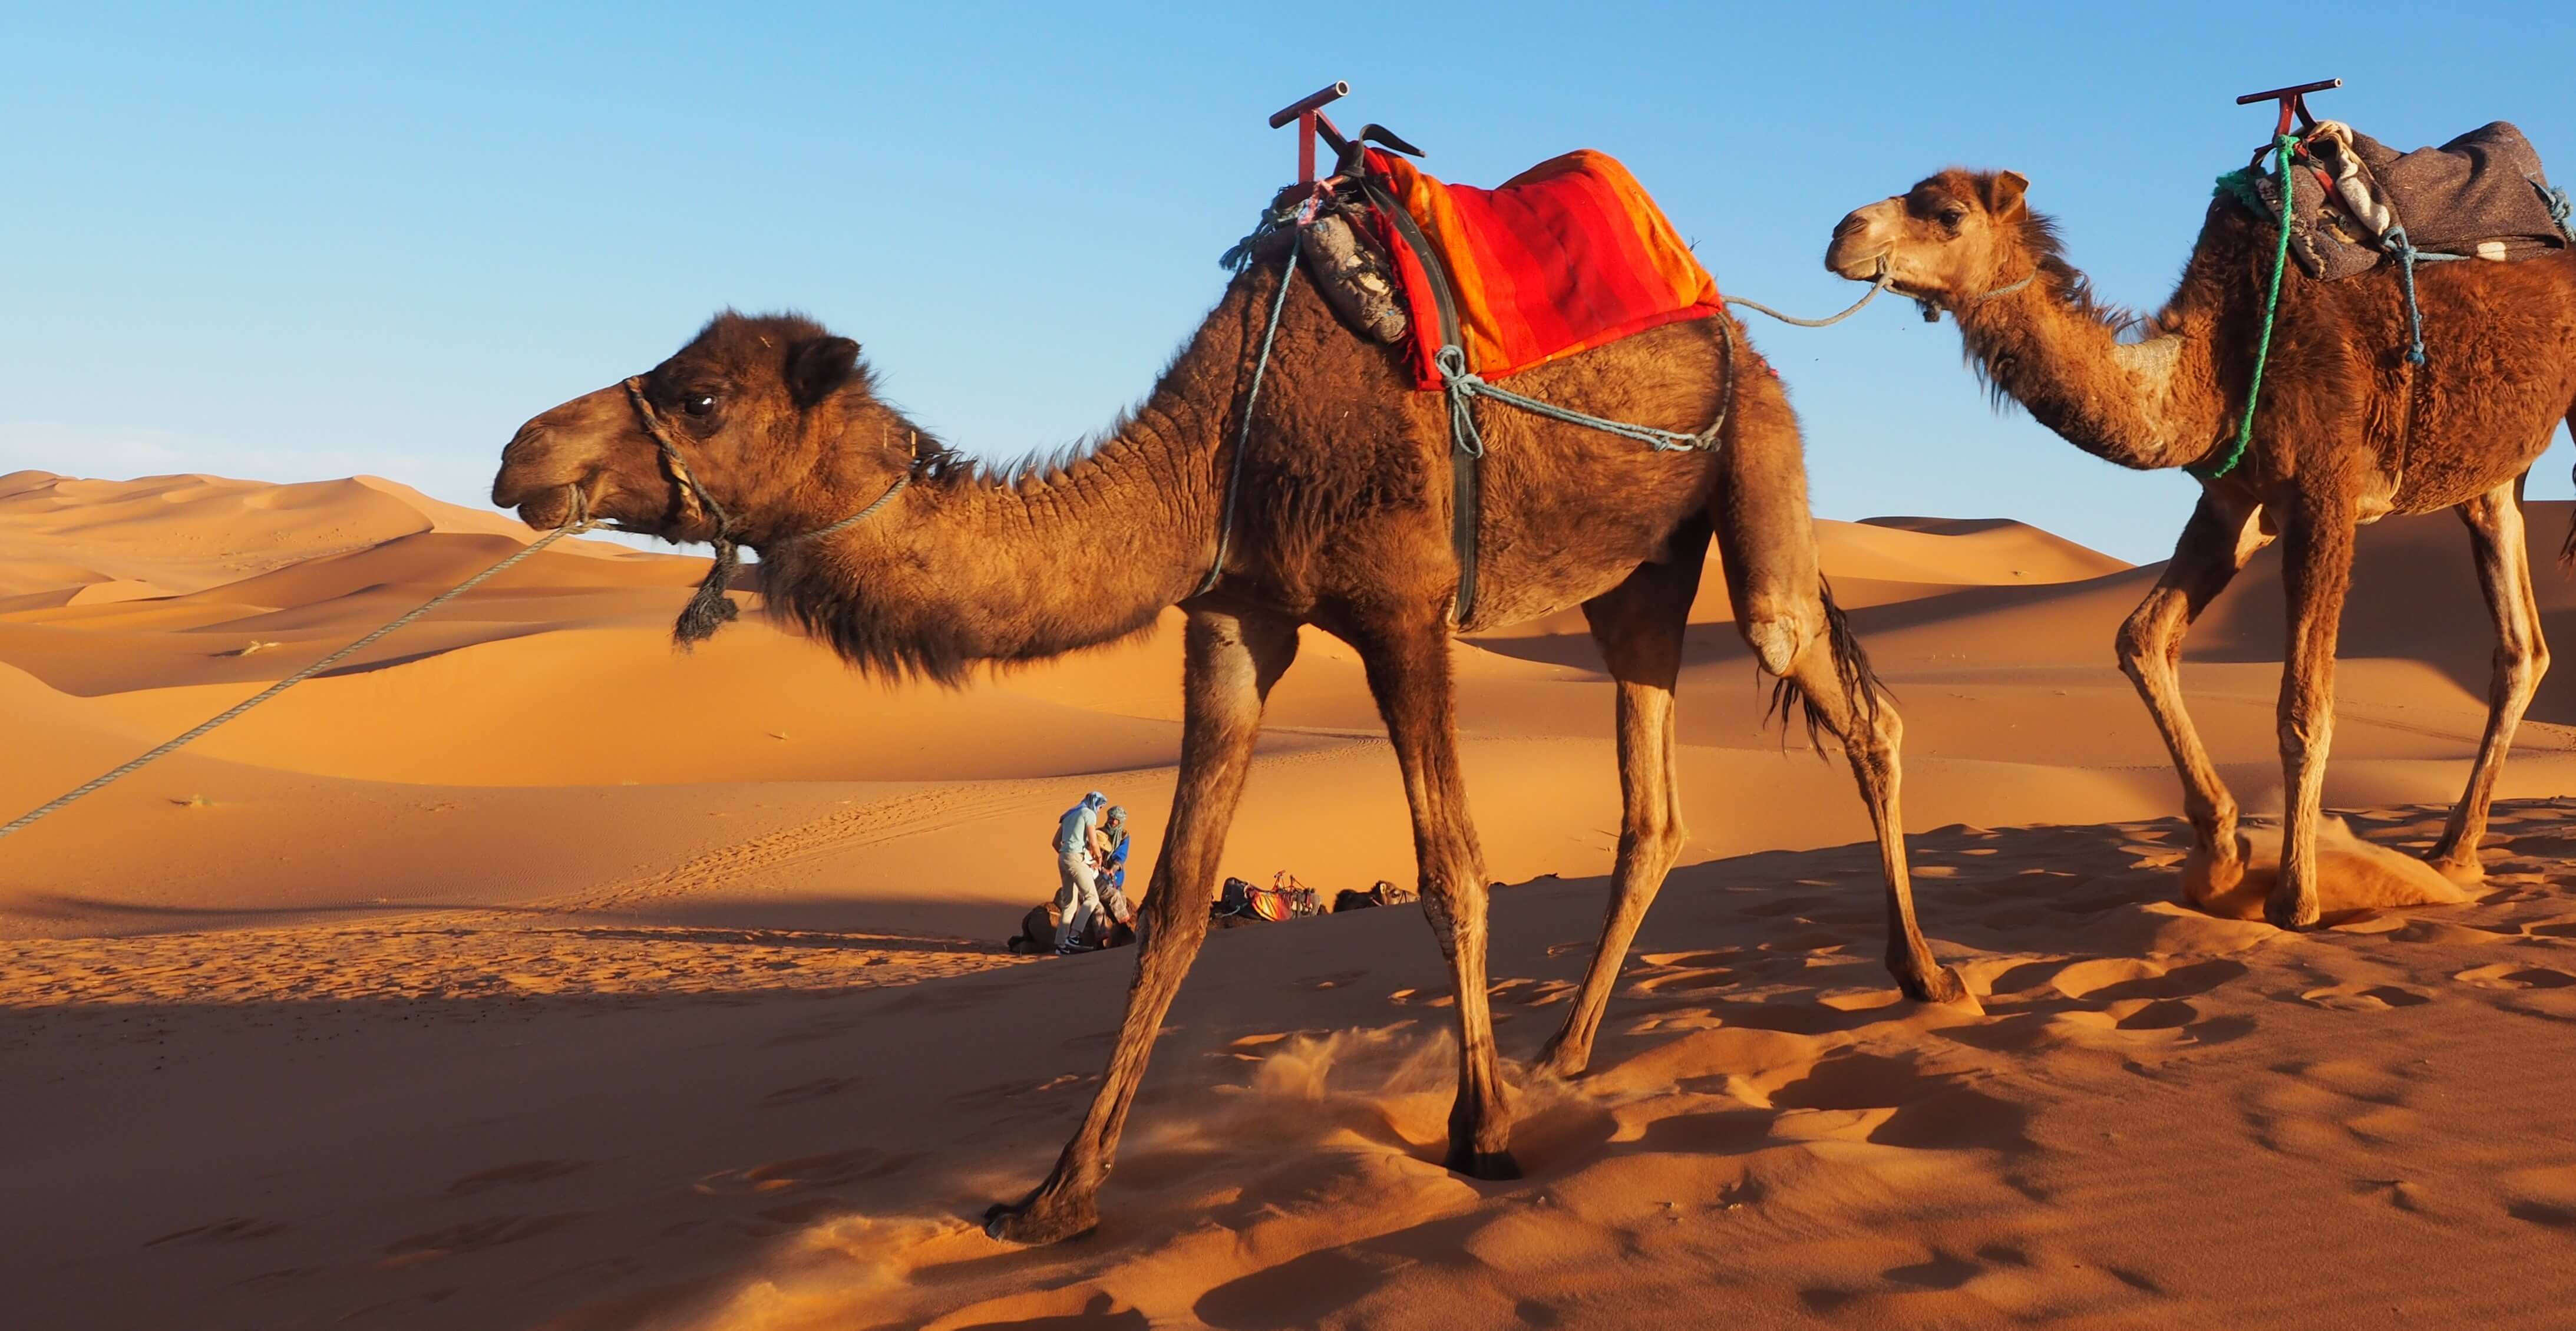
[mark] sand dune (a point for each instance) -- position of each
(523, 971)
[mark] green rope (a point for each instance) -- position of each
(2283, 145)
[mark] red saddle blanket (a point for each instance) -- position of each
(1566, 256)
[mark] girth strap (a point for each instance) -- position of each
(1466, 500)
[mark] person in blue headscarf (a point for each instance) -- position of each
(1113, 867)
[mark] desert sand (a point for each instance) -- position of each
(523, 972)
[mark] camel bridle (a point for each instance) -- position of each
(709, 608)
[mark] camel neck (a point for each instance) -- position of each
(964, 566)
(2146, 404)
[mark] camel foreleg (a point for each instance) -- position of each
(1638, 625)
(2214, 548)
(1409, 672)
(2521, 658)
(1230, 663)
(2316, 572)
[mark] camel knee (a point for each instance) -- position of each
(2522, 664)
(2139, 646)
(1654, 836)
(1780, 634)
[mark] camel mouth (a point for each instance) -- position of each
(1858, 267)
(547, 508)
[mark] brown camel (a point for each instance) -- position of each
(2346, 432)
(1344, 523)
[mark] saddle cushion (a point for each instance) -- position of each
(2482, 195)
(1566, 256)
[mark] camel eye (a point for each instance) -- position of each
(698, 404)
(1953, 215)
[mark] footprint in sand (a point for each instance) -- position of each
(517, 1175)
(2336, 1110)
(473, 1236)
(230, 1229)
(1892, 1102)
(2515, 975)
(1336, 980)
(2543, 1196)
(807, 1090)
(2363, 998)
(809, 1171)
(1527, 992)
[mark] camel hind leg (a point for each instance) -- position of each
(1230, 664)
(1787, 616)
(1831, 682)
(2521, 657)
(1638, 625)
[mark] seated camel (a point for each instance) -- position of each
(906, 560)
(2347, 430)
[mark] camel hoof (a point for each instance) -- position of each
(1491, 1166)
(2465, 872)
(1561, 1060)
(1034, 1222)
(2286, 911)
(1937, 984)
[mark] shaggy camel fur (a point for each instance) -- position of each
(2347, 432)
(1344, 524)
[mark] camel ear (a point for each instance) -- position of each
(818, 367)
(2003, 195)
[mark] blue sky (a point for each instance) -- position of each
(290, 243)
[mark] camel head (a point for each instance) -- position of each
(1951, 238)
(755, 406)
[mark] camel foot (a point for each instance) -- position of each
(2287, 909)
(1932, 982)
(1491, 1166)
(1561, 1059)
(1041, 1218)
(2464, 870)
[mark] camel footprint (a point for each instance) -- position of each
(2333, 1110)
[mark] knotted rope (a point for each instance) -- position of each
(575, 521)
(1464, 387)
(2397, 243)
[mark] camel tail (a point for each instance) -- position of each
(1860, 683)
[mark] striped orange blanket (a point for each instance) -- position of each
(1566, 256)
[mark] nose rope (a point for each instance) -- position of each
(709, 608)
(1886, 279)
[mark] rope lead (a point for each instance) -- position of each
(2283, 145)
(576, 520)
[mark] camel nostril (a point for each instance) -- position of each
(1850, 225)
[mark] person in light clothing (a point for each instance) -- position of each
(1076, 848)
